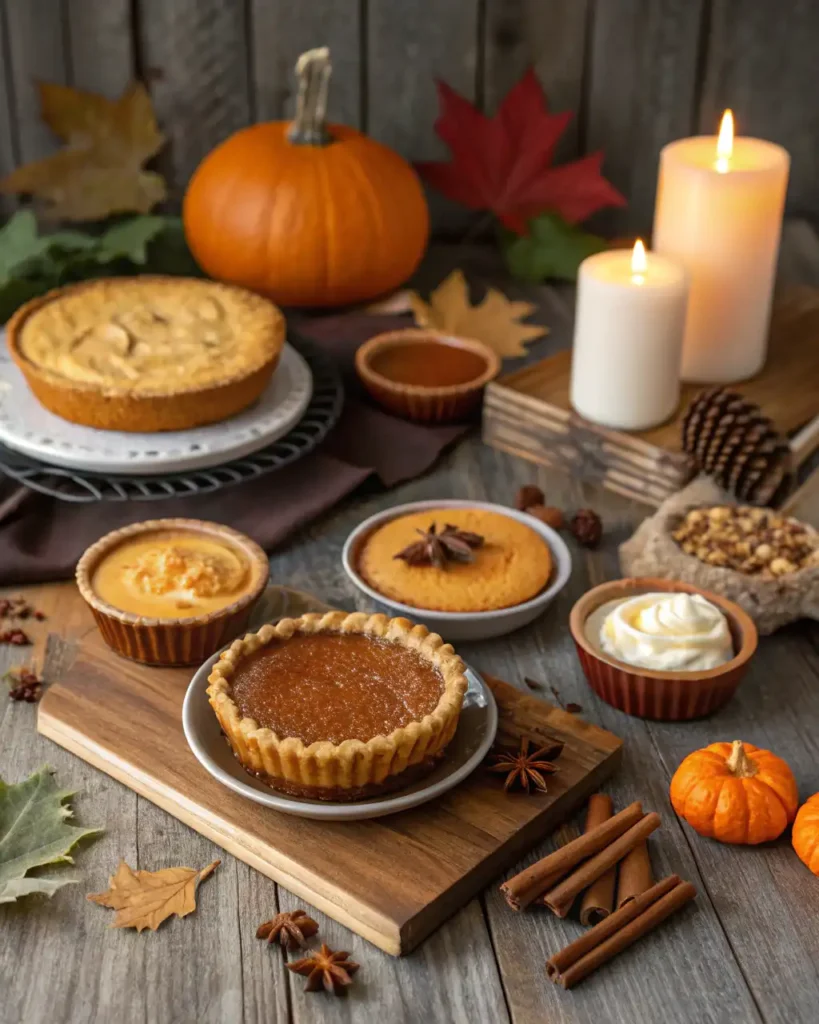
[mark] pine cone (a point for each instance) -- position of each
(587, 527)
(730, 439)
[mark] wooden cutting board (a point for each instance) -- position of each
(528, 413)
(392, 880)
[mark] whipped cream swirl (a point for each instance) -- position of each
(667, 633)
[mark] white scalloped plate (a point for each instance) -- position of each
(26, 427)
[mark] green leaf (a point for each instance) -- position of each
(552, 248)
(34, 832)
(129, 239)
(19, 244)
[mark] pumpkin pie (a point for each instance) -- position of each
(172, 591)
(508, 562)
(147, 353)
(338, 706)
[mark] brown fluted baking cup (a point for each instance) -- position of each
(187, 641)
(661, 695)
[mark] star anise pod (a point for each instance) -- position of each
(524, 769)
(450, 545)
(328, 970)
(290, 929)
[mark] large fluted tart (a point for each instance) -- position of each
(147, 353)
(338, 706)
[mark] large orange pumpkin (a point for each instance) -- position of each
(806, 833)
(310, 214)
(735, 792)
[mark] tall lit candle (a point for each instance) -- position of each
(719, 211)
(627, 338)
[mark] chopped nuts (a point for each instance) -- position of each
(527, 496)
(754, 541)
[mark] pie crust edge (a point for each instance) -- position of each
(352, 764)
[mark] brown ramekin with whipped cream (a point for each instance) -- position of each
(661, 649)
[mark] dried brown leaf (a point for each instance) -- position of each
(100, 171)
(144, 899)
(495, 320)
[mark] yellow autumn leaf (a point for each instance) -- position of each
(144, 899)
(100, 169)
(495, 320)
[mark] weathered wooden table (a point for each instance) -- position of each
(747, 950)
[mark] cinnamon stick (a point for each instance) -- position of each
(560, 898)
(618, 931)
(520, 890)
(635, 874)
(598, 899)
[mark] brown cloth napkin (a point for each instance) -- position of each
(41, 538)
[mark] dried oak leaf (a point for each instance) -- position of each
(34, 832)
(495, 320)
(100, 170)
(144, 899)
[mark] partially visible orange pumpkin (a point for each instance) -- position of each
(735, 793)
(806, 833)
(309, 213)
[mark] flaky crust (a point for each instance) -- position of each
(353, 764)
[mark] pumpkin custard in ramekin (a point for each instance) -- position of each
(172, 591)
(456, 560)
(338, 706)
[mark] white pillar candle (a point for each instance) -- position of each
(719, 211)
(628, 332)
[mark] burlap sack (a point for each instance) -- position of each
(771, 603)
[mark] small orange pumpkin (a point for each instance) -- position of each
(308, 213)
(735, 793)
(806, 833)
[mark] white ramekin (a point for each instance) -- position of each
(464, 625)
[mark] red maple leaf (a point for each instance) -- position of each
(504, 163)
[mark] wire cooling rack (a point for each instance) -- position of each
(83, 487)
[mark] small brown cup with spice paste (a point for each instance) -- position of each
(671, 696)
(426, 376)
(178, 638)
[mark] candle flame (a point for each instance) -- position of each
(639, 264)
(725, 141)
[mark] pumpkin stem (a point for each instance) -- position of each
(309, 128)
(739, 763)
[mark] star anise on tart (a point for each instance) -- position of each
(328, 970)
(290, 929)
(434, 548)
(525, 770)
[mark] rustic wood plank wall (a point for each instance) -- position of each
(638, 73)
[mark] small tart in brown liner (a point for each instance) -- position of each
(173, 641)
(333, 707)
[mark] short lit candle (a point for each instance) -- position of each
(628, 337)
(719, 211)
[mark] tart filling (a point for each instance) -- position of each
(338, 706)
(171, 574)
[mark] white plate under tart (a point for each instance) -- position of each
(474, 736)
(457, 626)
(29, 428)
